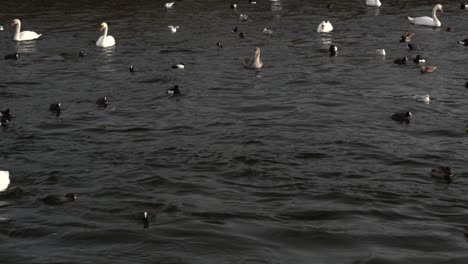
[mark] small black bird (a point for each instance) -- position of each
(242, 35)
(58, 200)
(219, 44)
(329, 6)
(174, 90)
(463, 42)
(5, 114)
(13, 56)
(234, 30)
(463, 6)
(102, 102)
(402, 117)
(233, 6)
(55, 108)
(333, 50)
(419, 59)
(401, 61)
(132, 68)
(4, 122)
(81, 54)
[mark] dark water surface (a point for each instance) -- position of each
(296, 163)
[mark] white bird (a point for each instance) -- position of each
(373, 3)
(422, 98)
(105, 40)
(325, 27)
(254, 62)
(178, 66)
(169, 5)
(1, 28)
(267, 31)
(4, 180)
(25, 35)
(173, 28)
(243, 17)
(380, 52)
(428, 21)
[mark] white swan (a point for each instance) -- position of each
(25, 35)
(427, 21)
(325, 27)
(173, 28)
(4, 180)
(169, 5)
(254, 62)
(380, 52)
(105, 40)
(373, 3)
(423, 98)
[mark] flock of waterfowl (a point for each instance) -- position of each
(253, 62)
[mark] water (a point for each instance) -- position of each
(296, 163)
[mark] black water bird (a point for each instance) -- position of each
(233, 5)
(132, 68)
(419, 59)
(81, 53)
(242, 35)
(402, 117)
(102, 102)
(174, 90)
(401, 61)
(463, 6)
(55, 108)
(463, 42)
(443, 173)
(13, 56)
(6, 114)
(58, 199)
(219, 44)
(333, 50)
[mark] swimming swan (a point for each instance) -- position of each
(427, 21)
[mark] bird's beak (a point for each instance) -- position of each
(14, 23)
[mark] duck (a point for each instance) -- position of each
(463, 42)
(443, 173)
(254, 62)
(333, 50)
(146, 220)
(267, 31)
(428, 21)
(243, 17)
(4, 180)
(401, 61)
(173, 28)
(402, 117)
(132, 68)
(463, 6)
(55, 108)
(428, 69)
(423, 98)
(4, 122)
(174, 90)
(419, 59)
(241, 35)
(102, 102)
(105, 40)
(450, 29)
(324, 27)
(219, 44)
(25, 35)
(58, 199)
(380, 52)
(233, 6)
(1, 28)
(234, 30)
(13, 56)
(330, 5)
(169, 5)
(6, 114)
(81, 53)
(178, 66)
(407, 36)
(253, 2)
(376, 3)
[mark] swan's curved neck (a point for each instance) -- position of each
(17, 31)
(104, 35)
(434, 15)
(257, 57)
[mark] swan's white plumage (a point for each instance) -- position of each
(25, 35)
(380, 52)
(105, 40)
(325, 27)
(373, 3)
(428, 21)
(4, 180)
